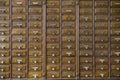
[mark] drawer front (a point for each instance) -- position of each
(35, 75)
(35, 32)
(68, 38)
(115, 3)
(68, 17)
(4, 46)
(4, 60)
(101, 46)
(101, 10)
(19, 67)
(36, 46)
(19, 46)
(4, 39)
(86, 46)
(86, 3)
(4, 75)
(53, 60)
(53, 17)
(4, 53)
(101, 39)
(68, 60)
(18, 10)
(53, 74)
(35, 2)
(68, 67)
(68, 11)
(35, 53)
(35, 17)
(86, 74)
(101, 3)
(86, 11)
(17, 60)
(4, 68)
(35, 39)
(53, 53)
(115, 18)
(35, 68)
(53, 67)
(18, 38)
(19, 17)
(86, 59)
(101, 60)
(101, 25)
(20, 24)
(53, 39)
(19, 31)
(19, 53)
(69, 24)
(86, 52)
(53, 3)
(35, 10)
(19, 2)
(115, 10)
(35, 24)
(53, 46)
(18, 75)
(101, 74)
(115, 73)
(4, 9)
(102, 67)
(68, 31)
(86, 67)
(35, 60)
(101, 17)
(68, 45)
(86, 39)
(4, 24)
(69, 74)
(85, 18)
(53, 24)
(4, 32)
(86, 32)
(101, 32)
(68, 3)
(4, 17)
(99, 52)
(68, 53)
(4, 2)
(53, 10)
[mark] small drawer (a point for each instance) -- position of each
(115, 60)
(35, 24)
(86, 18)
(115, 3)
(101, 60)
(53, 46)
(35, 39)
(86, 67)
(68, 3)
(54, 31)
(4, 10)
(35, 17)
(86, 25)
(4, 68)
(68, 38)
(4, 17)
(86, 53)
(115, 53)
(53, 17)
(53, 53)
(68, 60)
(69, 53)
(35, 74)
(53, 3)
(53, 10)
(69, 74)
(35, 68)
(35, 10)
(53, 24)
(115, 11)
(115, 46)
(53, 67)
(4, 60)
(18, 39)
(19, 53)
(102, 74)
(18, 10)
(4, 2)
(69, 67)
(4, 53)
(18, 46)
(19, 17)
(4, 39)
(53, 39)
(4, 75)
(19, 31)
(33, 46)
(86, 74)
(86, 11)
(101, 46)
(68, 32)
(68, 24)
(86, 39)
(18, 75)
(68, 10)
(102, 67)
(35, 31)
(19, 2)
(101, 17)
(68, 46)
(86, 4)
(4, 32)
(35, 61)
(115, 18)
(99, 52)
(115, 67)
(4, 24)
(86, 32)
(101, 25)
(68, 17)
(101, 3)
(115, 74)
(115, 32)
(53, 74)
(20, 24)
(18, 68)
(86, 46)
(35, 2)
(101, 32)
(101, 10)
(86, 59)
(35, 53)
(53, 60)
(4, 46)
(101, 39)
(18, 60)
(115, 24)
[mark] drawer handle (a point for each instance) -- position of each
(19, 61)
(69, 61)
(2, 24)
(69, 68)
(117, 53)
(1, 77)
(69, 10)
(19, 10)
(19, 25)
(117, 68)
(35, 61)
(2, 54)
(102, 68)
(35, 3)
(3, 10)
(53, 69)
(19, 3)
(53, 54)
(18, 54)
(86, 68)
(19, 17)
(35, 68)
(86, 61)
(2, 46)
(19, 46)
(102, 60)
(117, 32)
(86, 54)
(35, 32)
(117, 39)
(86, 46)
(52, 75)
(2, 39)
(102, 75)
(68, 76)
(35, 75)
(69, 46)
(117, 61)
(18, 76)
(2, 62)
(53, 47)
(35, 54)
(53, 61)
(68, 53)
(2, 32)
(2, 69)
(86, 75)
(117, 3)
